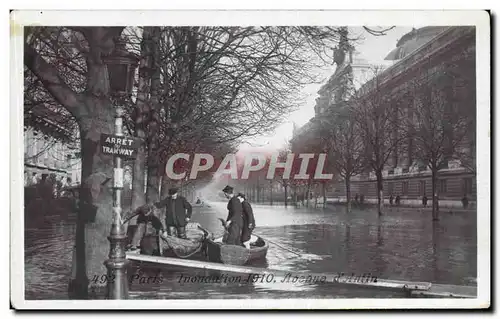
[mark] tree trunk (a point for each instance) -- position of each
(271, 192)
(141, 114)
(348, 193)
(316, 196)
(165, 185)
(153, 182)
(324, 194)
(95, 210)
(286, 195)
(380, 192)
(435, 199)
(308, 192)
(94, 113)
(138, 181)
(259, 198)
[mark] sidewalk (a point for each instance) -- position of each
(403, 207)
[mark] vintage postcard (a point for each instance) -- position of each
(269, 159)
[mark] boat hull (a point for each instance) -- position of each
(234, 254)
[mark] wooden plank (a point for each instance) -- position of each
(447, 291)
(321, 277)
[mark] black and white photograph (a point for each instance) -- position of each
(250, 159)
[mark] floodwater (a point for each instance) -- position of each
(403, 244)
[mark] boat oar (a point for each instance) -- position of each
(224, 223)
(130, 217)
(205, 232)
(300, 255)
(136, 212)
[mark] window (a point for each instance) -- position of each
(405, 188)
(467, 185)
(421, 188)
(442, 186)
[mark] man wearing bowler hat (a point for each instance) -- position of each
(234, 219)
(177, 213)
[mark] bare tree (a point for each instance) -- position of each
(284, 181)
(230, 81)
(378, 119)
(345, 147)
(440, 122)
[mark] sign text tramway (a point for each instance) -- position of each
(119, 145)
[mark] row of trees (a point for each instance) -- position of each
(429, 117)
(296, 181)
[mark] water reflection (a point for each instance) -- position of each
(402, 245)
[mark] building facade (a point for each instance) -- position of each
(50, 149)
(426, 50)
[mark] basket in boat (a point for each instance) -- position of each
(184, 248)
(234, 254)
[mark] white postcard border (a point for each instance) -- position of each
(480, 19)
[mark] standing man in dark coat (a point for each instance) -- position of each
(248, 220)
(234, 218)
(177, 213)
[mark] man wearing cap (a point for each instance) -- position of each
(177, 213)
(145, 237)
(234, 219)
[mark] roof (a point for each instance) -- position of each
(413, 40)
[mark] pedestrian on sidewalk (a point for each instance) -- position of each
(424, 201)
(465, 201)
(391, 198)
(398, 200)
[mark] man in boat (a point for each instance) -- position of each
(178, 212)
(149, 227)
(248, 220)
(234, 219)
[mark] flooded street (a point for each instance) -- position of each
(402, 245)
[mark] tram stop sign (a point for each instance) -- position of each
(122, 146)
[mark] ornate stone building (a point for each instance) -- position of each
(428, 50)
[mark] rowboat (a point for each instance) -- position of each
(217, 251)
(194, 245)
(202, 204)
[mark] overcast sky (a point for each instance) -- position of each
(371, 48)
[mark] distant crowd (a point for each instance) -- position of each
(43, 190)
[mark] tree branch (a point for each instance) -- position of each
(52, 81)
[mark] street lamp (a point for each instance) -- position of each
(121, 66)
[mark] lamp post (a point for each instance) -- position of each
(121, 66)
(117, 262)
